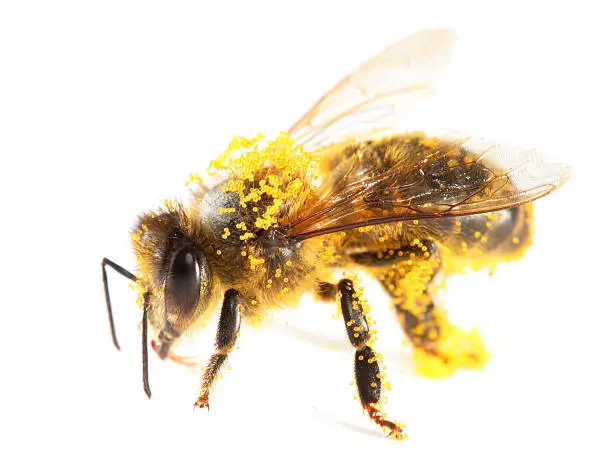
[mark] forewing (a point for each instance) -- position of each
(458, 177)
(379, 94)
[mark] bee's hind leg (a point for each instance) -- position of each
(367, 371)
(439, 346)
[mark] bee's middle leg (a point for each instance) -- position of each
(325, 291)
(367, 371)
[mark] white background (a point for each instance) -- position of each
(105, 109)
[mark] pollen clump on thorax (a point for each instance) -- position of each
(288, 166)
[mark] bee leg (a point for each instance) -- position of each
(439, 346)
(325, 291)
(227, 332)
(367, 370)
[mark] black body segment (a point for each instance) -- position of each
(229, 321)
(367, 375)
(352, 311)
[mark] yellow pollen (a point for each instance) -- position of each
(226, 210)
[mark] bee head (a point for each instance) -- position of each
(170, 249)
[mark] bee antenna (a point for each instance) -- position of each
(145, 309)
(145, 349)
(125, 273)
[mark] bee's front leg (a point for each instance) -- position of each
(227, 332)
(367, 371)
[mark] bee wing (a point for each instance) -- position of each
(380, 93)
(459, 177)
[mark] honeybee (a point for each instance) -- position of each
(345, 189)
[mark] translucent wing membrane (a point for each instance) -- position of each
(411, 177)
(380, 93)
(407, 176)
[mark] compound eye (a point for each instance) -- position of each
(183, 283)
